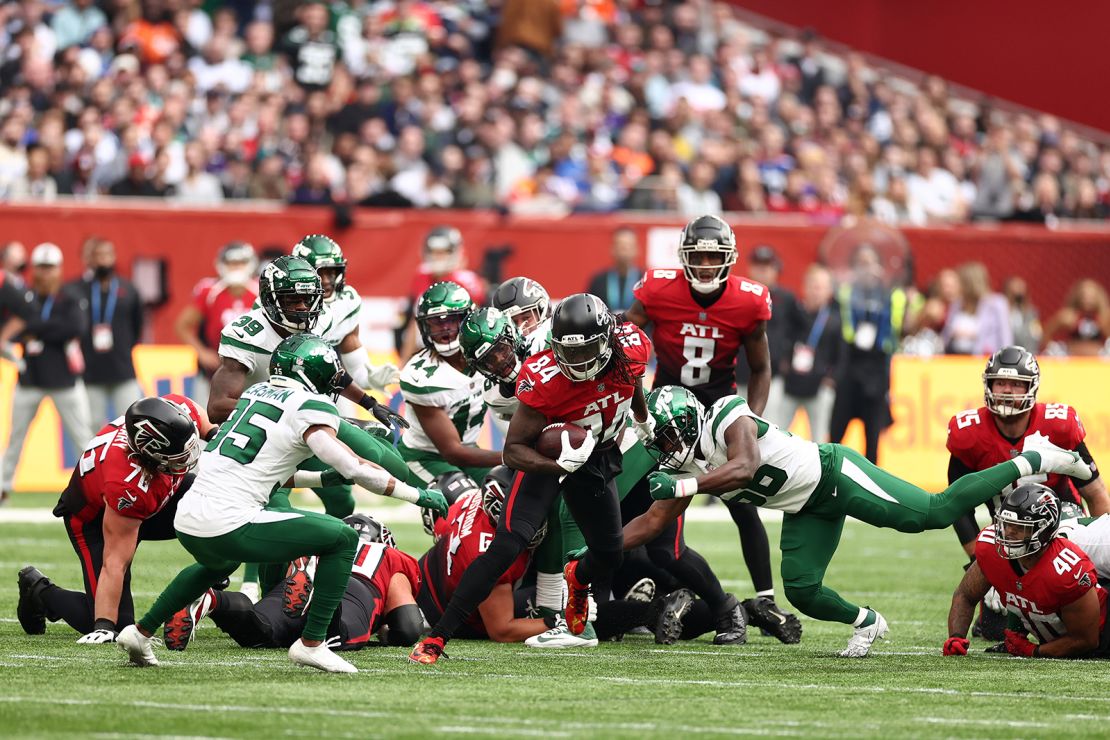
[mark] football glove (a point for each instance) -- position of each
(97, 637)
(994, 601)
(386, 416)
(431, 499)
(577, 554)
(380, 377)
(956, 645)
(662, 486)
(571, 458)
(645, 430)
(1019, 644)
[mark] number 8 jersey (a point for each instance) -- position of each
(696, 346)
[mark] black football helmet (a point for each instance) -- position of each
(162, 436)
(442, 250)
(495, 490)
(707, 234)
(1011, 363)
(370, 529)
(582, 331)
(453, 486)
(524, 301)
(1026, 521)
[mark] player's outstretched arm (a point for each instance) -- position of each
(743, 460)
(445, 436)
(651, 523)
(228, 384)
(1096, 496)
(497, 616)
(1080, 617)
(519, 454)
(121, 537)
(973, 587)
(758, 353)
(636, 314)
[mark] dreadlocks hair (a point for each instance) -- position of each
(620, 366)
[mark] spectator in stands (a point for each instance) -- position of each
(935, 190)
(697, 196)
(311, 47)
(75, 22)
(979, 322)
(1082, 325)
(36, 183)
(111, 328)
(47, 325)
(534, 25)
(198, 187)
(614, 286)
(136, 184)
(1025, 321)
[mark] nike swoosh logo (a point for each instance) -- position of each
(1078, 575)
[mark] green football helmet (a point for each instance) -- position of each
(492, 345)
(290, 293)
(678, 418)
(440, 314)
(309, 361)
(324, 254)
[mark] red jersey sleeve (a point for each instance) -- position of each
(127, 500)
(200, 294)
(530, 386)
(636, 346)
(1063, 424)
(753, 304)
(963, 429)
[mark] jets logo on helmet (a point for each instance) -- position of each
(308, 361)
(492, 345)
(290, 293)
(326, 257)
(678, 418)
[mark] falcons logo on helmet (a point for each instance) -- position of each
(148, 438)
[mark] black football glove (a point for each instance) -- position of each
(386, 416)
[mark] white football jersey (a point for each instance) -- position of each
(1093, 538)
(339, 316)
(502, 406)
(258, 448)
(250, 340)
(427, 380)
(790, 466)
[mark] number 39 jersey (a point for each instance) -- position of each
(790, 468)
(259, 447)
(250, 340)
(601, 404)
(1063, 574)
(696, 347)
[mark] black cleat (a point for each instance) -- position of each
(31, 612)
(773, 620)
(990, 625)
(732, 624)
(675, 606)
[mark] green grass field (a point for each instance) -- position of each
(53, 687)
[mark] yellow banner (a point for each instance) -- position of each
(925, 394)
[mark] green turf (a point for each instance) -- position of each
(629, 689)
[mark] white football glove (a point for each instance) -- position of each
(571, 459)
(994, 601)
(380, 377)
(645, 430)
(591, 612)
(97, 637)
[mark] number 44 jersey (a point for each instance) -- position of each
(696, 346)
(259, 447)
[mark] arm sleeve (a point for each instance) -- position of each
(358, 366)
(331, 452)
(1086, 455)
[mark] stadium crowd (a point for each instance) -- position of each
(542, 106)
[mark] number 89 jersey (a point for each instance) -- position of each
(696, 346)
(601, 405)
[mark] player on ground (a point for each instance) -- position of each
(379, 600)
(124, 490)
(590, 376)
(702, 317)
(733, 452)
(1047, 583)
(226, 519)
(443, 394)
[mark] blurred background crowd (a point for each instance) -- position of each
(533, 106)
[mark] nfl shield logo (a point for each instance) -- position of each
(600, 387)
(702, 316)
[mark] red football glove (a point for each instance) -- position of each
(956, 646)
(1019, 645)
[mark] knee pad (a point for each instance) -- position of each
(801, 595)
(406, 624)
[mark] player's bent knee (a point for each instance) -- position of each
(802, 596)
(406, 624)
(664, 555)
(608, 558)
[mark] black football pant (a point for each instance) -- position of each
(77, 608)
(858, 398)
(591, 497)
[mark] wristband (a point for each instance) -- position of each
(308, 479)
(212, 433)
(685, 487)
(367, 402)
(405, 492)
(104, 624)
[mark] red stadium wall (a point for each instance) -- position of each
(1048, 57)
(383, 246)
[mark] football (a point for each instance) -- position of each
(550, 441)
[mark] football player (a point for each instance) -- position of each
(591, 376)
(1047, 583)
(702, 317)
(379, 599)
(443, 394)
(227, 520)
(733, 452)
(125, 489)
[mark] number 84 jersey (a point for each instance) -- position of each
(696, 346)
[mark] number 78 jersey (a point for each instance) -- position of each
(696, 346)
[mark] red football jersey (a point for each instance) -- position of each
(461, 537)
(377, 563)
(468, 279)
(974, 440)
(600, 404)
(219, 308)
(1062, 575)
(697, 346)
(106, 476)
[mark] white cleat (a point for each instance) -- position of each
(860, 643)
(1056, 459)
(560, 636)
(320, 657)
(642, 590)
(139, 647)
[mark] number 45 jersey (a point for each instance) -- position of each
(258, 447)
(696, 346)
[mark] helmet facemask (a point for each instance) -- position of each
(677, 426)
(499, 361)
(707, 275)
(441, 331)
(1020, 531)
(332, 280)
(1009, 404)
(580, 357)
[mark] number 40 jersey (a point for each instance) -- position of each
(696, 346)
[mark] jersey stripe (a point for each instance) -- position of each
(314, 405)
(422, 390)
(723, 413)
(243, 345)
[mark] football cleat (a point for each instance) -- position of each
(642, 590)
(773, 620)
(139, 647)
(1056, 459)
(296, 592)
(179, 631)
(676, 605)
(859, 645)
(990, 625)
(320, 657)
(29, 610)
(577, 611)
(732, 624)
(560, 636)
(428, 651)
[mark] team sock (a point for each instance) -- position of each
(866, 618)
